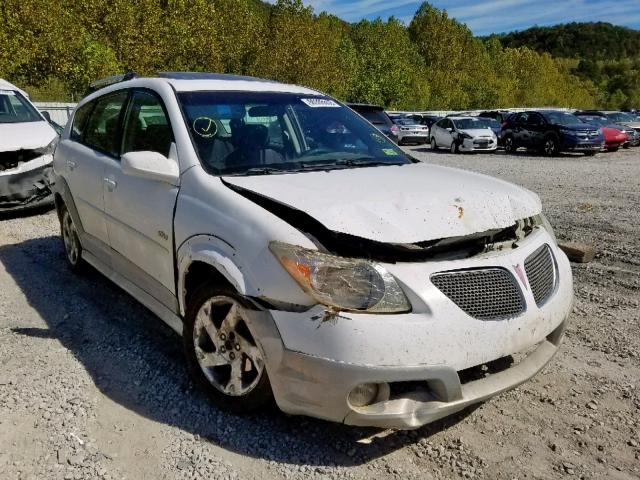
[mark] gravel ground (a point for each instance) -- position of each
(92, 386)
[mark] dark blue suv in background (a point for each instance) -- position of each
(551, 132)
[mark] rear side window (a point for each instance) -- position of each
(147, 127)
(80, 121)
(102, 130)
(377, 117)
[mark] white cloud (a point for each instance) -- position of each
(487, 16)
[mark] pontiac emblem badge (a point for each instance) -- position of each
(521, 275)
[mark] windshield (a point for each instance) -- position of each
(594, 119)
(14, 108)
(621, 117)
(471, 123)
(562, 118)
(261, 133)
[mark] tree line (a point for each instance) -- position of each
(606, 55)
(54, 49)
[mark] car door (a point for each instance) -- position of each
(140, 210)
(439, 130)
(520, 133)
(447, 133)
(535, 129)
(90, 147)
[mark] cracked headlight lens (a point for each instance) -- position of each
(342, 283)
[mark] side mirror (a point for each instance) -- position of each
(150, 165)
(47, 116)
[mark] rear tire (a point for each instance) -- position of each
(71, 242)
(223, 357)
(434, 145)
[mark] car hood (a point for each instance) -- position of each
(25, 135)
(634, 125)
(578, 127)
(478, 132)
(399, 204)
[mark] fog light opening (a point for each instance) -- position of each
(364, 394)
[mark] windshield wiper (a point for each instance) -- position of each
(258, 171)
(347, 163)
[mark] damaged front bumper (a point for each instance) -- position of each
(419, 361)
(28, 185)
(415, 395)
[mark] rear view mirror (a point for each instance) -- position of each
(150, 165)
(47, 116)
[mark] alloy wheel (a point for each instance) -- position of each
(225, 349)
(550, 146)
(70, 239)
(508, 145)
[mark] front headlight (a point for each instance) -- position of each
(342, 283)
(49, 149)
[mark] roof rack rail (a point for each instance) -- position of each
(112, 80)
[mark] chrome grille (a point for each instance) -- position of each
(541, 273)
(485, 294)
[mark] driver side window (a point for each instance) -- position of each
(147, 127)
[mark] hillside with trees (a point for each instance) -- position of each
(54, 49)
(596, 41)
(604, 54)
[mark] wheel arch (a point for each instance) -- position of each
(208, 258)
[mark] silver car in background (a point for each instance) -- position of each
(410, 131)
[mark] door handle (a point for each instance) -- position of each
(111, 184)
(71, 164)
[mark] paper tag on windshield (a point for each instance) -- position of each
(7, 92)
(320, 103)
(389, 151)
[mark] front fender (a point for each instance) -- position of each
(217, 253)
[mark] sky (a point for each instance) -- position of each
(484, 17)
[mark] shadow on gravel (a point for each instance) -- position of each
(135, 360)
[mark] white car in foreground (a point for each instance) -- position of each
(463, 134)
(27, 142)
(303, 256)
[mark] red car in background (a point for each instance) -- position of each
(614, 137)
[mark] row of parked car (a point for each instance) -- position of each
(548, 131)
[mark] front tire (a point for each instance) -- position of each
(434, 145)
(455, 147)
(509, 145)
(223, 357)
(71, 241)
(591, 153)
(550, 147)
